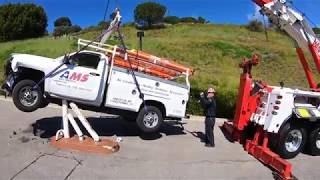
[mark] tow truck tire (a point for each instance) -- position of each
(26, 99)
(292, 140)
(314, 142)
(149, 119)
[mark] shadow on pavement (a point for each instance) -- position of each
(106, 126)
(197, 134)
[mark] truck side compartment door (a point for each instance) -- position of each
(81, 79)
(122, 92)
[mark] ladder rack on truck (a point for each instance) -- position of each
(140, 61)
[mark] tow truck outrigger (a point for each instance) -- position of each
(279, 119)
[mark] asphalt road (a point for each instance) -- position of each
(174, 153)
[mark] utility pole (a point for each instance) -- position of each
(140, 34)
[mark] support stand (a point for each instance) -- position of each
(95, 144)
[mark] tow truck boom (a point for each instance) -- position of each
(297, 27)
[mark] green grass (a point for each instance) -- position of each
(213, 51)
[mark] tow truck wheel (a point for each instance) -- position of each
(314, 142)
(25, 98)
(149, 119)
(292, 140)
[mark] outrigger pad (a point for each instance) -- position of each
(105, 146)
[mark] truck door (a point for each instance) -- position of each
(81, 79)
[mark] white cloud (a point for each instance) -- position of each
(255, 15)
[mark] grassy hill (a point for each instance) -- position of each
(214, 51)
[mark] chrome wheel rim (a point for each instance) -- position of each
(293, 140)
(150, 119)
(27, 96)
(318, 141)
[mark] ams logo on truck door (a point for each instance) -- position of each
(74, 76)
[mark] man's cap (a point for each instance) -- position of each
(211, 90)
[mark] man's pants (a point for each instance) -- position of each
(209, 123)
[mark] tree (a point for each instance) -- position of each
(149, 13)
(63, 26)
(171, 19)
(62, 21)
(21, 21)
(255, 26)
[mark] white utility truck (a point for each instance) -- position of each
(95, 80)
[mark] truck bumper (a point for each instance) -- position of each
(8, 84)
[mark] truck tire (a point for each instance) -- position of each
(314, 142)
(26, 99)
(292, 140)
(149, 119)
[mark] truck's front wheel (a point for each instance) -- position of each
(292, 140)
(25, 97)
(149, 119)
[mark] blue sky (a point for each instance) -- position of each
(90, 12)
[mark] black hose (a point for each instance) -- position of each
(141, 95)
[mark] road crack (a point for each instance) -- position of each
(31, 163)
(79, 162)
(72, 170)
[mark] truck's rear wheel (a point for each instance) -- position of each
(25, 98)
(292, 140)
(149, 119)
(314, 141)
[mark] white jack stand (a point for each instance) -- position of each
(64, 140)
(66, 117)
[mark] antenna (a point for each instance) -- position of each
(265, 28)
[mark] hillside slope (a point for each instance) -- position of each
(214, 51)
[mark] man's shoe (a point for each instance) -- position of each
(209, 145)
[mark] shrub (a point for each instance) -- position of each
(201, 20)
(171, 19)
(225, 99)
(154, 26)
(65, 30)
(189, 20)
(21, 21)
(103, 24)
(316, 30)
(255, 26)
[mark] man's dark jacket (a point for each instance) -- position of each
(209, 106)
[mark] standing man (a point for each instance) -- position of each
(209, 106)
